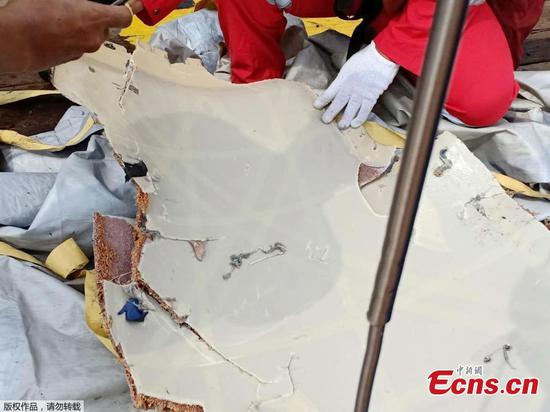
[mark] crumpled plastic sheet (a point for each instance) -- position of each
(199, 35)
(27, 192)
(88, 181)
(73, 120)
(196, 34)
(46, 349)
(14, 159)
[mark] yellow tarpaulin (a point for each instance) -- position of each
(316, 26)
(140, 31)
(13, 138)
(92, 310)
(64, 260)
(518, 187)
(8, 250)
(384, 136)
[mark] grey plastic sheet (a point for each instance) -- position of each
(46, 349)
(14, 159)
(197, 34)
(89, 181)
(24, 195)
(72, 121)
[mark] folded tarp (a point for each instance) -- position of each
(46, 350)
(89, 181)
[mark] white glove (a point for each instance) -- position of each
(357, 87)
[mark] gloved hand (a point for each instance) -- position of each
(361, 81)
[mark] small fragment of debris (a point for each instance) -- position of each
(510, 192)
(133, 310)
(476, 204)
(368, 174)
(131, 170)
(90, 68)
(236, 261)
(133, 88)
(109, 45)
(199, 248)
(505, 349)
(447, 163)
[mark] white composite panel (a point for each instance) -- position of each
(253, 165)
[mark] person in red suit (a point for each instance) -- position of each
(396, 34)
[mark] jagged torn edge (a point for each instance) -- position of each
(139, 226)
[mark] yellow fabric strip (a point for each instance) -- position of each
(383, 135)
(316, 26)
(518, 187)
(12, 96)
(67, 258)
(92, 310)
(64, 260)
(140, 31)
(8, 250)
(13, 138)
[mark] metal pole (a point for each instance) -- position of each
(432, 88)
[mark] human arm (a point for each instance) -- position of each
(45, 33)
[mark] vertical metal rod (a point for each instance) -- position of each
(432, 89)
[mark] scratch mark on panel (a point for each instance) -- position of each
(446, 163)
(236, 261)
(255, 405)
(128, 76)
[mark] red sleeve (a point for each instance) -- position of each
(156, 10)
(405, 38)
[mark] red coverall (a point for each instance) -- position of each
(482, 85)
